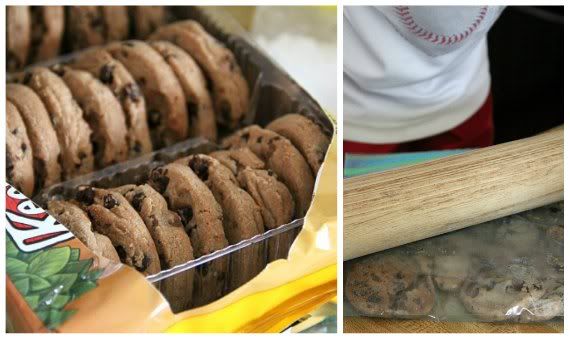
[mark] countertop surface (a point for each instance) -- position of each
(372, 325)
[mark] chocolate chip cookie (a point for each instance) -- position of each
(113, 216)
(111, 72)
(506, 293)
(18, 36)
(242, 217)
(43, 139)
(19, 167)
(72, 130)
(146, 19)
(277, 207)
(94, 25)
(165, 104)
(202, 217)
(104, 114)
(230, 89)
(389, 286)
(282, 158)
(271, 195)
(198, 102)
(76, 220)
(307, 135)
(47, 32)
(170, 239)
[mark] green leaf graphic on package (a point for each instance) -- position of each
(49, 279)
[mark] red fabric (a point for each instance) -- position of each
(477, 131)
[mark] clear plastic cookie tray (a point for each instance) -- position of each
(273, 94)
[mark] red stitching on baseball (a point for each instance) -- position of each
(408, 20)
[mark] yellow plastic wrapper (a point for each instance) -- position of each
(56, 284)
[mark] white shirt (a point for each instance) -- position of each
(413, 72)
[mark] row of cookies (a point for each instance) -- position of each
(498, 271)
(202, 203)
(39, 33)
(119, 101)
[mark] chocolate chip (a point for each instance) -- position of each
(186, 214)
(200, 167)
(142, 81)
(144, 265)
(106, 73)
(109, 201)
(24, 147)
(132, 92)
(137, 200)
(15, 131)
(153, 118)
(153, 221)
(259, 139)
(86, 196)
(159, 180)
(82, 155)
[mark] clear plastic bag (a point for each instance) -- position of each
(509, 269)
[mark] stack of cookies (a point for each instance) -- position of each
(511, 269)
(38, 33)
(261, 179)
(118, 101)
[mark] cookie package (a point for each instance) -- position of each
(505, 270)
(67, 278)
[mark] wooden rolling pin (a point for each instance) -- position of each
(396, 207)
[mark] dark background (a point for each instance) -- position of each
(526, 51)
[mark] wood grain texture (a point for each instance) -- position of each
(388, 209)
(375, 325)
